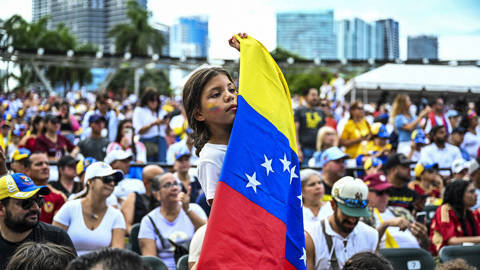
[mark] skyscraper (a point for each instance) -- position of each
(423, 46)
(309, 34)
(88, 20)
(387, 46)
(189, 37)
(354, 39)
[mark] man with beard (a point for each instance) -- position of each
(440, 151)
(39, 172)
(332, 241)
(397, 169)
(20, 204)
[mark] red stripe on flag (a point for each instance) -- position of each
(241, 235)
(288, 265)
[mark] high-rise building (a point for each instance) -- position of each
(309, 34)
(189, 37)
(387, 46)
(354, 39)
(88, 20)
(423, 46)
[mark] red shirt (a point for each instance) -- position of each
(433, 192)
(52, 203)
(446, 225)
(56, 150)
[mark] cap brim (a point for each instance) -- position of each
(354, 212)
(382, 186)
(30, 192)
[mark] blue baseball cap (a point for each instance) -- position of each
(182, 152)
(95, 117)
(380, 130)
(20, 186)
(83, 164)
(418, 136)
(332, 153)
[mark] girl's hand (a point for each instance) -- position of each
(233, 42)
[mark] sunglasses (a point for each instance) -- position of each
(28, 203)
(354, 203)
(171, 184)
(107, 179)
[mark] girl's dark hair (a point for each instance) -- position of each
(150, 94)
(192, 93)
(118, 138)
(35, 120)
(453, 195)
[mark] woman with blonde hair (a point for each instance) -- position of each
(326, 138)
(404, 123)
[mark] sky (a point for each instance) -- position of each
(455, 22)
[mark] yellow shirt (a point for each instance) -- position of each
(354, 130)
(372, 147)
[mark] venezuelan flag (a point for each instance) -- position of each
(256, 220)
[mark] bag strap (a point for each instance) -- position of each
(333, 259)
(162, 240)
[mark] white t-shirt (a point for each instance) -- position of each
(143, 116)
(444, 157)
(84, 239)
(196, 244)
(471, 143)
(127, 186)
(309, 218)
(179, 231)
(404, 239)
(362, 238)
(210, 166)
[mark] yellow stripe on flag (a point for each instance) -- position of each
(267, 77)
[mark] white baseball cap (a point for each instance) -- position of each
(351, 196)
(117, 155)
(101, 169)
(458, 165)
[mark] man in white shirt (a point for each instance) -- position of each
(395, 225)
(439, 151)
(332, 241)
(437, 118)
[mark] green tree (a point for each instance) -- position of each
(124, 79)
(280, 54)
(137, 36)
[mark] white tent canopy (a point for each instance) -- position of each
(402, 77)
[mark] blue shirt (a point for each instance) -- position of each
(399, 121)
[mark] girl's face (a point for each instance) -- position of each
(127, 128)
(218, 103)
(100, 188)
(313, 190)
(470, 196)
(153, 103)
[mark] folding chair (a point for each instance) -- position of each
(182, 263)
(154, 263)
(133, 238)
(408, 258)
(469, 253)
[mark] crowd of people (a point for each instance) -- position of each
(70, 165)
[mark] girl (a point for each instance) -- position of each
(210, 101)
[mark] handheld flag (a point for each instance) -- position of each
(256, 220)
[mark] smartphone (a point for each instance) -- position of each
(420, 218)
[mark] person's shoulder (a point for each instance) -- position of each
(211, 150)
(44, 227)
(57, 194)
(365, 230)
(445, 213)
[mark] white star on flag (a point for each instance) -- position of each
(252, 181)
(292, 174)
(285, 162)
(301, 201)
(267, 165)
(304, 257)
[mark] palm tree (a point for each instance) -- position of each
(137, 36)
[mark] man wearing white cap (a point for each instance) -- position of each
(120, 160)
(332, 241)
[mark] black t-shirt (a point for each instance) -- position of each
(310, 121)
(403, 197)
(58, 186)
(96, 148)
(41, 233)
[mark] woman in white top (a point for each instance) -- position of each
(89, 222)
(150, 123)
(176, 219)
(471, 140)
(314, 208)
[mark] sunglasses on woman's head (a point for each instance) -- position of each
(107, 179)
